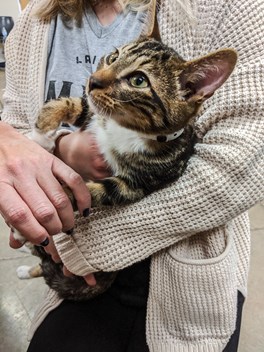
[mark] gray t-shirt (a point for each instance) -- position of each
(74, 52)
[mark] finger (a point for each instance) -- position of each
(75, 182)
(16, 235)
(57, 196)
(66, 272)
(13, 242)
(39, 203)
(90, 279)
(52, 251)
(18, 215)
(99, 175)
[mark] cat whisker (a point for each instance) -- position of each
(123, 101)
(104, 112)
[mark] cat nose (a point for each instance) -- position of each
(95, 83)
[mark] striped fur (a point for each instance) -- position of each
(141, 91)
(166, 102)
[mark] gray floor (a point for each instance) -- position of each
(19, 298)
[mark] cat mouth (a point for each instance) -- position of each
(96, 107)
(99, 107)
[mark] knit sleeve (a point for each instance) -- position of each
(224, 177)
(14, 110)
(21, 62)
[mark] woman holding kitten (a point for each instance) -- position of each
(183, 252)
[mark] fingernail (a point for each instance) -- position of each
(86, 212)
(45, 242)
(69, 232)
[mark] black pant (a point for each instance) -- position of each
(102, 324)
(232, 345)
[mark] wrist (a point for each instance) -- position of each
(60, 149)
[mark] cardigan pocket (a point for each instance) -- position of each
(197, 294)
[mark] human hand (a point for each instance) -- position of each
(80, 151)
(32, 199)
(52, 251)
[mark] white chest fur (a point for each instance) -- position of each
(112, 137)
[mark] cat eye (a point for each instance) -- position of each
(139, 80)
(111, 58)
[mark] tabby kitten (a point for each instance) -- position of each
(140, 104)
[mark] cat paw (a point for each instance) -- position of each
(23, 272)
(25, 249)
(18, 237)
(45, 140)
(97, 191)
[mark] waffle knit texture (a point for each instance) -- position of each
(196, 230)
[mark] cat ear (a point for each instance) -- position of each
(202, 77)
(152, 20)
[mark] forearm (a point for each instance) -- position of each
(222, 181)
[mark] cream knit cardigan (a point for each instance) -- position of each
(196, 230)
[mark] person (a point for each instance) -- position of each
(183, 252)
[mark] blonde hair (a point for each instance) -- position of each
(74, 9)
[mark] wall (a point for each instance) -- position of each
(9, 8)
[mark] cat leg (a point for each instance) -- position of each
(64, 110)
(25, 271)
(110, 191)
(29, 272)
(114, 191)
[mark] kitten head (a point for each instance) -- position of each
(147, 87)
